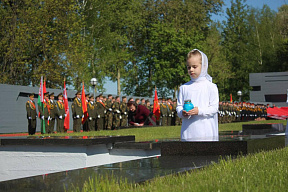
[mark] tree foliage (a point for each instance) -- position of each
(139, 44)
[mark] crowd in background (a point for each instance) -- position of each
(108, 113)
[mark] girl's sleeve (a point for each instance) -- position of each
(212, 109)
(180, 103)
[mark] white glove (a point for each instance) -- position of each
(104, 111)
(82, 116)
(65, 114)
(125, 113)
(120, 117)
(77, 116)
(98, 116)
(117, 111)
(90, 118)
(29, 117)
(49, 118)
(110, 109)
(60, 117)
(42, 117)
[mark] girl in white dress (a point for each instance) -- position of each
(200, 123)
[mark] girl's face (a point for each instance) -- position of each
(132, 108)
(194, 66)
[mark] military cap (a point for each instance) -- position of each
(109, 95)
(51, 94)
(46, 94)
(104, 97)
(147, 101)
(91, 96)
(31, 94)
(60, 95)
(78, 93)
(87, 94)
(117, 97)
(124, 97)
(100, 95)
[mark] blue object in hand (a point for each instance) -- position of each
(188, 105)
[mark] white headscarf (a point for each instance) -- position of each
(204, 68)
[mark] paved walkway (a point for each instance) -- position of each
(22, 134)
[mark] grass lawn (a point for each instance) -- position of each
(152, 133)
(264, 171)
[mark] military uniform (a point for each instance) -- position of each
(77, 113)
(31, 115)
(53, 112)
(109, 114)
(169, 115)
(100, 114)
(91, 108)
(60, 116)
(124, 113)
(164, 113)
(116, 113)
(45, 114)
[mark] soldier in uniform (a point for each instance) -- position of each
(77, 112)
(91, 109)
(60, 114)
(124, 112)
(169, 109)
(164, 112)
(109, 113)
(174, 113)
(116, 113)
(45, 113)
(85, 125)
(100, 114)
(53, 112)
(31, 114)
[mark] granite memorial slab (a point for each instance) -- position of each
(136, 171)
(259, 129)
(227, 145)
(65, 140)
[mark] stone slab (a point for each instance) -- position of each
(259, 129)
(237, 146)
(66, 140)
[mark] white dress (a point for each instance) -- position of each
(204, 126)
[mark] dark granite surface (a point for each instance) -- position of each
(228, 145)
(65, 140)
(257, 129)
(134, 171)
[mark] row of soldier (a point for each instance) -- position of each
(111, 113)
(241, 111)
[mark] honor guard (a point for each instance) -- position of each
(45, 113)
(31, 114)
(85, 125)
(60, 116)
(116, 113)
(77, 112)
(164, 112)
(100, 114)
(53, 112)
(124, 112)
(109, 113)
(91, 108)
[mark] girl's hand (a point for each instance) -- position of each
(193, 111)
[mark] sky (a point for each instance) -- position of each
(111, 87)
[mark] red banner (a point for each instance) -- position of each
(277, 113)
(156, 106)
(84, 105)
(66, 107)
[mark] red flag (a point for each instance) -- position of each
(156, 106)
(84, 105)
(231, 98)
(44, 88)
(66, 107)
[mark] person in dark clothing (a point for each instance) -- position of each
(142, 115)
